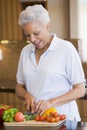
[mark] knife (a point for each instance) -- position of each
(29, 113)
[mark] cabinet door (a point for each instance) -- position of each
(82, 105)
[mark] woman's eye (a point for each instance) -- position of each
(36, 33)
(27, 35)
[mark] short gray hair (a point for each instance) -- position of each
(33, 13)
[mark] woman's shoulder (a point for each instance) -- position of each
(28, 47)
(67, 45)
(26, 50)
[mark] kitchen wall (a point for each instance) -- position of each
(59, 14)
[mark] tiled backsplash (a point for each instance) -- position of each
(8, 65)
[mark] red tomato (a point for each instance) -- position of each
(19, 117)
(48, 118)
(1, 112)
(41, 118)
(37, 118)
(62, 117)
(57, 118)
(55, 114)
(52, 119)
(51, 113)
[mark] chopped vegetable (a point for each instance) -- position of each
(30, 117)
(8, 115)
(3, 107)
(48, 111)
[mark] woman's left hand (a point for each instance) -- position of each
(42, 105)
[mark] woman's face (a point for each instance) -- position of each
(37, 34)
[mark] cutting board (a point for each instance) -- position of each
(32, 123)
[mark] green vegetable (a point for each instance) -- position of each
(30, 117)
(8, 115)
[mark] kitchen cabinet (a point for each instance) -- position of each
(12, 99)
(82, 105)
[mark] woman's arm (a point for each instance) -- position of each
(20, 90)
(77, 92)
(29, 99)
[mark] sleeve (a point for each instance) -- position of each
(74, 67)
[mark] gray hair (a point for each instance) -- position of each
(33, 13)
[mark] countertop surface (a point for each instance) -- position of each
(67, 125)
(7, 85)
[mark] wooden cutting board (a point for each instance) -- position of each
(33, 123)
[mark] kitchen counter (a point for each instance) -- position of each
(9, 90)
(85, 97)
(7, 85)
(67, 125)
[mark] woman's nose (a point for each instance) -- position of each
(32, 38)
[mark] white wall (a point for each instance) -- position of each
(74, 15)
(59, 14)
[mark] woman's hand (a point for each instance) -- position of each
(42, 105)
(30, 102)
(29, 99)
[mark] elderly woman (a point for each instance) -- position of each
(49, 67)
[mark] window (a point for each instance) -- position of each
(82, 44)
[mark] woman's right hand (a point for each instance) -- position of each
(30, 103)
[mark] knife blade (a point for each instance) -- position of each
(29, 112)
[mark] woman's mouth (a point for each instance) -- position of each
(37, 44)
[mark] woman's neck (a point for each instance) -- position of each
(39, 52)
